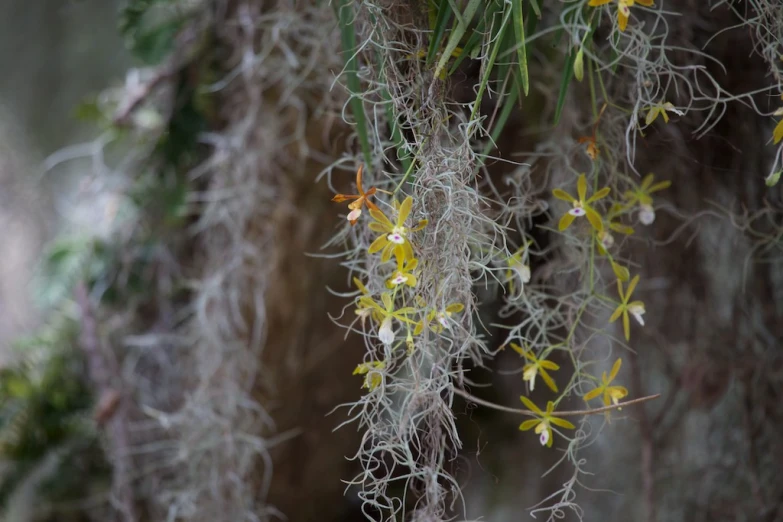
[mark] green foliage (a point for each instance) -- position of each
(149, 27)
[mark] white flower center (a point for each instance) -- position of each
(397, 235)
(544, 438)
(624, 9)
(637, 311)
(399, 279)
(523, 271)
(443, 320)
(607, 240)
(385, 334)
(577, 211)
(353, 215)
(530, 375)
(646, 215)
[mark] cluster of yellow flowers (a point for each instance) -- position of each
(394, 239)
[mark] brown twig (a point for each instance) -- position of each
(567, 413)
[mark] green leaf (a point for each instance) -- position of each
(491, 62)
(456, 34)
(345, 16)
(519, 31)
(565, 81)
(442, 20)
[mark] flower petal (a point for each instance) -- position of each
(631, 286)
(563, 195)
(616, 314)
(455, 308)
(600, 194)
(592, 394)
(381, 218)
(626, 326)
(549, 365)
(659, 186)
(529, 424)
(561, 422)
(652, 114)
(622, 20)
(646, 3)
(379, 243)
(777, 134)
(405, 211)
(647, 181)
(595, 219)
(581, 187)
(548, 380)
(615, 369)
(595, 3)
(530, 406)
(565, 221)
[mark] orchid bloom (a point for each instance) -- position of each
(404, 272)
(441, 320)
(372, 373)
(581, 206)
(536, 366)
(611, 394)
(661, 109)
(360, 199)
(642, 196)
(518, 269)
(623, 9)
(385, 315)
(635, 308)
(394, 236)
(543, 424)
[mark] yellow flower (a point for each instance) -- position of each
(536, 366)
(581, 206)
(403, 274)
(661, 109)
(623, 9)
(372, 372)
(642, 196)
(604, 238)
(441, 319)
(620, 271)
(394, 236)
(385, 315)
(543, 425)
(518, 269)
(635, 308)
(360, 199)
(611, 394)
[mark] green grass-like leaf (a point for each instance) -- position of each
(457, 33)
(345, 17)
(519, 32)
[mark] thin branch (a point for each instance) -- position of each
(571, 413)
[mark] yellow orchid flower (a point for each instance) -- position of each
(611, 394)
(543, 424)
(386, 314)
(623, 9)
(394, 236)
(635, 308)
(661, 109)
(518, 269)
(372, 373)
(441, 320)
(581, 206)
(536, 366)
(404, 272)
(604, 238)
(642, 196)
